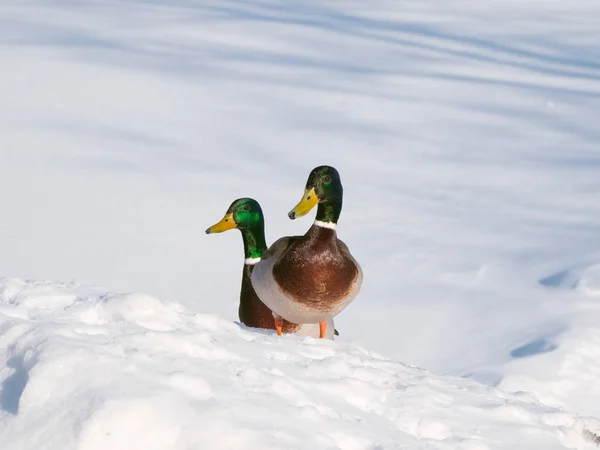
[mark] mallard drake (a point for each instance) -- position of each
(310, 278)
(246, 215)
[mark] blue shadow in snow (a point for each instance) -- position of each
(533, 348)
(12, 387)
(562, 279)
(565, 279)
(322, 17)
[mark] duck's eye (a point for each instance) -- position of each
(327, 179)
(247, 208)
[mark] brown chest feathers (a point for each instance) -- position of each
(317, 270)
(253, 312)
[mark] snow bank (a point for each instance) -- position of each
(85, 369)
(563, 368)
(466, 133)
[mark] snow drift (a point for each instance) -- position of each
(466, 133)
(81, 368)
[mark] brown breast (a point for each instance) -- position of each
(253, 312)
(315, 271)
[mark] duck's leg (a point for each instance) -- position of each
(322, 329)
(278, 323)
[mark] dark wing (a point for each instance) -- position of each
(346, 251)
(279, 246)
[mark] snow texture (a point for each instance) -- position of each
(85, 369)
(466, 135)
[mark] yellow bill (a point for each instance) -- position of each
(226, 223)
(308, 202)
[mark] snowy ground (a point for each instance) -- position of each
(95, 371)
(465, 132)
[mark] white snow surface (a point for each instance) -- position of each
(466, 135)
(90, 370)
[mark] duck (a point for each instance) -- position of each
(246, 215)
(310, 278)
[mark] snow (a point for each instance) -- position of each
(466, 136)
(87, 369)
(565, 370)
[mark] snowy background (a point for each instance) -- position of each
(466, 136)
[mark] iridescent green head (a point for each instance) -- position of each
(246, 215)
(324, 188)
(243, 214)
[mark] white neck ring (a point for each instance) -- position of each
(251, 261)
(330, 225)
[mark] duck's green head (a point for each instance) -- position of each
(323, 187)
(243, 214)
